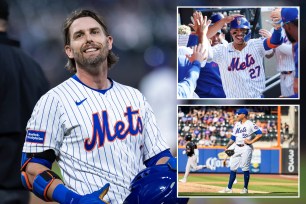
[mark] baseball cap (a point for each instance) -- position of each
(4, 10)
(289, 14)
(242, 111)
(216, 17)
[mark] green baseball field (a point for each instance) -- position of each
(260, 185)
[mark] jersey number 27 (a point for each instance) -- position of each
(254, 72)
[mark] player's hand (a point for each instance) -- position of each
(276, 14)
(230, 18)
(95, 197)
(197, 21)
(265, 33)
(199, 53)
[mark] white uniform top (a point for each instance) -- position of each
(244, 131)
(242, 72)
(98, 138)
(284, 54)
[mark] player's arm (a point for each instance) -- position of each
(218, 25)
(187, 86)
(258, 134)
(276, 38)
(285, 49)
(36, 176)
(230, 142)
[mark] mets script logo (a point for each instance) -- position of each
(101, 129)
(240, 130)
(237, 65)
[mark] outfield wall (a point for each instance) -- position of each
(264, 161)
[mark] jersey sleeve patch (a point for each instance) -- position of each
(35, 136)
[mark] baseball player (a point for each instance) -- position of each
(189, 64)
(241, 62)
(290, 20)
(284, 57)
(192, 152)
(209, 84)
(101, 132)
(241, 135)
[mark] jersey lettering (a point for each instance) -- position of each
(121, 129)
(240, 130)
(249, 60)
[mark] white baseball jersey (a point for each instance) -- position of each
(243, 152)
(284, 54)
(285, 62)
(242, 72)
(98, 137)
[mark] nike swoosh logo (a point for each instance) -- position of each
(79, 103)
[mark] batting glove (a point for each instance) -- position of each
(95, 197)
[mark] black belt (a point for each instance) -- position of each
(286, 72)
(240, 145)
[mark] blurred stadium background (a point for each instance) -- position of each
(144, 38)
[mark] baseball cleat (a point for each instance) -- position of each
(226, 190)
(244, 191)
(208, 167)
(182, 180)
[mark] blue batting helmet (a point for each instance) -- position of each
(242, 22)
(242, 111)
(216, 17)
(154, 185)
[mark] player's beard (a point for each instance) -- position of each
(91, 63)
(290, 38)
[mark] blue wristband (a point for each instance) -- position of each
(63, 195)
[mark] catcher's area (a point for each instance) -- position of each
(259, 185)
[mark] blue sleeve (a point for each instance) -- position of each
(233, 137)
(274, 41)
(258, 132)
(152, 161)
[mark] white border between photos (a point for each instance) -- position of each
(246, 106)
(299, 76)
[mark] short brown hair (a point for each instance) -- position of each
(111, 58)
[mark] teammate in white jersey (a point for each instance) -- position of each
(241, 62)
(242, 136)
(101, 133)
(284, 57)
